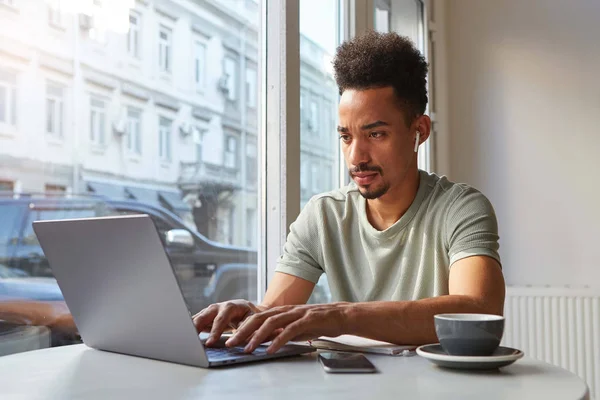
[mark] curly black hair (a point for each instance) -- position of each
(375, 60)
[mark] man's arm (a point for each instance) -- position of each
(285, 289)
(476, 285)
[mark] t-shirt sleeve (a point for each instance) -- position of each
(301, 249)
(472, 227)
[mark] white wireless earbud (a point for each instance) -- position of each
(417, 141)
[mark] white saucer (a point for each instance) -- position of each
(502, 357)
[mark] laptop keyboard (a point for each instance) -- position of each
(225, 353)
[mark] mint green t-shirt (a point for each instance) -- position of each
(410, 260)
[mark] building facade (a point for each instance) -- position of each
(156, 101)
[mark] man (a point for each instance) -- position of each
(398, 245)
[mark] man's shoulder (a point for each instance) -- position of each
(459, 197)
(337, 199)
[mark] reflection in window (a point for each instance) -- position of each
(54, 109)
(314, 115)
(164, 137)
(55, 16)
(251, 164)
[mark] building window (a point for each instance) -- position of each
(251, 164)
(231, 152)
(7, 186)
(97, 121)
(251, 76)
(165, 37)
(133, 37)
(303, 109)
(55, 15)
(199, 65)
(314, 115)
(230, 68)
(8, 98)
(51, 188)
(251, 228)
(164, 137)
(134, 130)
(54, 109)
(315, 178)
(198, 138)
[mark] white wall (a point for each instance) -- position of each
(524, 110)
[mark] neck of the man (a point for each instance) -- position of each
(386, 210)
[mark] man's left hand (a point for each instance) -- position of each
(290, 323)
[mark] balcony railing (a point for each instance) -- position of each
(203, 174)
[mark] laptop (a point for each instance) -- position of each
(123, 293)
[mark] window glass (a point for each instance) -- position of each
(111, 115)
(320, 159)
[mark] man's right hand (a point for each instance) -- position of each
(217, 318)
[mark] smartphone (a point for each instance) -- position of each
(339, 362)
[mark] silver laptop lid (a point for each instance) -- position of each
(120, 287)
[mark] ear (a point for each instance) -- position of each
(423, 125)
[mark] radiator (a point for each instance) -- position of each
(560, 326)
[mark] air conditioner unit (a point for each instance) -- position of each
(185, 129)
(86, 22)
(120, 127)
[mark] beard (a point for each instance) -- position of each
(370, 192)
(373, 193)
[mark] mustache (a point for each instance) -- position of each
(365, 168)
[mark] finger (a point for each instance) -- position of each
(269, 327)
(294, 331)
(204, 318)
(222, 321)
(250, 325)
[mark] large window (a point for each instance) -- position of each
(195, 161)
(8, 98)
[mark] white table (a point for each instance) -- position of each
(78, 372)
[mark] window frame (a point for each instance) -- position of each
(231, 82)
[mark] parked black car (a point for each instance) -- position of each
(195, 258)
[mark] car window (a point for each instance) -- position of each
(29, 237)
(162, 226)
(11, 219)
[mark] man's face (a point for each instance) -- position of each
(378, 145)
